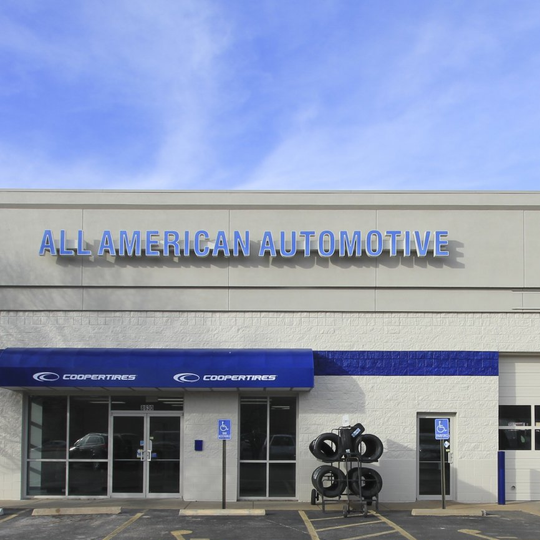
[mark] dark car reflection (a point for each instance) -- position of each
(282, 447)
(91, 446)
(166, 444)
(126, 445)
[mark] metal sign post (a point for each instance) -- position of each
(442, 433)
(224, 434)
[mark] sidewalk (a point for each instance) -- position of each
(531, 507)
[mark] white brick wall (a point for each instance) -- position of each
(202, 479)
(511, 332)
(386, 405)
(10, 444)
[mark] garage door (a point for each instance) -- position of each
(519, 425)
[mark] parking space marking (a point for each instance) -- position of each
(394, 526)
(371, 535)
(327, 518)
(357, 524)
(124, 526)
(477, 534)
(309, 526)
(179, 535)
(13, 516)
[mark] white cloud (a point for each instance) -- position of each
(441, 117)
(160, 58)
(246, 95)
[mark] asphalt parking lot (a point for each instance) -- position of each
(275, 525)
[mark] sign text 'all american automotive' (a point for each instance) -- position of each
(201, 243)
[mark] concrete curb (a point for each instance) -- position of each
(223, 512)
(463, 512)
(74, 511)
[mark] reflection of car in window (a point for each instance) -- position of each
(282, 446)
(91, 446)
(125, 446)
(166, 444)
(251, 446)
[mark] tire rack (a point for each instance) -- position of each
(350, 460)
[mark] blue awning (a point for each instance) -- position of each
(157, 368)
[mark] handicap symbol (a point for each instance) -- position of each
(223, 427)
(440, 427)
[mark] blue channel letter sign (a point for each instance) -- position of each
(442, 429)
(224, 430)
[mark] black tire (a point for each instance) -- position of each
(329, 481)
(369, 447)
(352, 481)
(314, 497)
(370, 484)
(326, 447)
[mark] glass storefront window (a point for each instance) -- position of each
(68, 444)
(88, 428)
(282, 428)
(268, 447)
(47, 425)
(88, 478)
(280, 476)
(46, 478)
(147, 403)
(252, 479)
(253, 420)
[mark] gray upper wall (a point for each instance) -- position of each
(493, 266)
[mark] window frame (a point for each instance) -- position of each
(529, 429)
(267, 462)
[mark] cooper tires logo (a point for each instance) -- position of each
(46, 376)
(186, 377)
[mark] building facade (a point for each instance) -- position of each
(133, 323)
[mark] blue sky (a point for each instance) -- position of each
(256, 94)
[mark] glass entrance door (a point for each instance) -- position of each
(145, 455)
(429, 459)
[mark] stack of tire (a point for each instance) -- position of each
(347, 444)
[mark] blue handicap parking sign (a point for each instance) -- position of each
(224, 430)
(442, 429)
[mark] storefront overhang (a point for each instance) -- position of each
(186, 369)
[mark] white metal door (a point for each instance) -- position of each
(519, 425)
